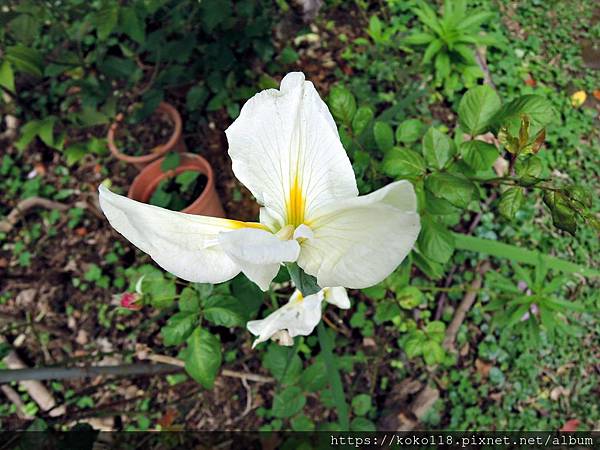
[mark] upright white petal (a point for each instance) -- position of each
(298, 317)
(337, 296)
(359, 242)
(184, 244)
(259, 253)
(286, 149)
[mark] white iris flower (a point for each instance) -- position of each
(298, 317)
(286, 150)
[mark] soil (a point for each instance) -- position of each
(141, 138)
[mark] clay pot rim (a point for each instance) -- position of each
(189, 161)
(156, 152)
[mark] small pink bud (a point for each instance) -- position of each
(130, 300)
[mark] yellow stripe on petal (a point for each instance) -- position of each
(295, 205)
(238, 224)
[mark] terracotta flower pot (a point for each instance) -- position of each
(207, 204)
(175, 142)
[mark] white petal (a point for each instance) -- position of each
(286, 149)
(359, 242)
(182, 244)
(299, 317)
(259, 253)
(337, 296)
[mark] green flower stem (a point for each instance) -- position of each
(307, 285)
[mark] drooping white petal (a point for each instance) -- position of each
(359, 242)
(184, 244)
(299, 317)
(286, 149)
(259, 253)
(337, 296)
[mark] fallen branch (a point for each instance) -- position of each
(464, 307)
(23, 206)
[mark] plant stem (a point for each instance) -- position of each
(335, 380)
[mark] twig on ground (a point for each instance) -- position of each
(15, 398)
(23, 206)
(463, 308)
(481, 61)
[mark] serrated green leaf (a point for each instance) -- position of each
(342, 104)
(224, 310)
(479, 155)
(132, 25)
(477, 109)
(409, 297)
(363, 117)
(189, 300)
(179, 327)
(409, 131)
(438, 148)
(106, 19)
(25, 59)
(203, 357)
(511, 201)
(539, 110)
(435, 240)
(433, 353)
(403, 163)
(457, 190)
(288, 402)
(361, 404)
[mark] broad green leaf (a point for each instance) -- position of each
(179, 327)
(7, 76)
(438, 148)
(436, 330)
(409, 297)
(409, 131)
(403, 163)
(438, 206)
(529, 169)
(384, 136)
(25, 28)
(342, 104)
(170, 162)
(442, 66)
(433, 353)
(46, 130)
(189, 300)
(224, 310)
(283, 363)
(363, 117)
(477, 109)
(457, 190)
(203, 357)
(414, 344)
(105, 19)
(25, 59)
(479, 155)
(314, 377)
(538, 109)
(288, 402)
(302, 423)
(385, 310)
(435, 240)
(362, 424)
(214, 13)
(563, 216)
(361, 404)
(132, 25)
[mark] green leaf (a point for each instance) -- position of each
(384, 136)
(442, 66)
(342, 104)
(538, 109)
(106, 19)
(363, 117)
(479, 155)
(436, 330)
(314, 377)
(189, 300)
(457, 190)
(362, 424)
(431, 50)
(435, 240)
(203, 357)
(385, 310)
(224, 310)
(25, 59)
(438, 206)
(361, 404)
(409, 131)
(477, 109)
(511, 201)
(288, 402)
(132, 25)
(418, 39)
(409, 297)
(433, 353)
(170, 162)
(438, 148)
(563, 216)
(529, 169)
(186, 179)
(7, 76)
(302, 423)
(414, 344)
(179, 327)
(403, 163)
(214, 13)
(283, 363)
